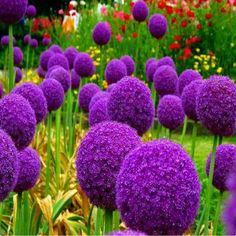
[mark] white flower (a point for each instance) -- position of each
(74, 3)
(82, 2)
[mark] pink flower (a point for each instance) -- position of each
(61, 12)
(103, 11)
(119, 37)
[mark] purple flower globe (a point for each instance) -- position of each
(44, 58)
(53, 92)
(224, 163)
(151, 69)
(12, 11)
(84, 65)
(56, 49)
(62, 76)
(170, 112)
(18, 75)
(27, 39)
(85, 95)
(101, 33)
(151, 176)
(58, 59)
(131, 102)
(99, 159)
(148, 62)
(140, 11)
(41, 72)
(1, 91)
(34, 43)
(158, 26)
(111, 87)
(165, 80)
(17, 119)
(5, 40)
(126, 233)
(115, 71)
(9, 165)
(129, 63)
(189, 97)
(34, 95)
(231, 181)
(29, 163)
(18, 55)
(166, 61)
(46, 41)
(216, 106)
(71, 53)
(97, 97)
(75, 80)
(31, 11)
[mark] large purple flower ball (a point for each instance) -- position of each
(186, 77)
(111, 87)
(75, 79)
(18, 74)
(189, 97)
(166, 61)
(44, 58)
(56, 48)
(99, 159)
(224, 163)
(9, 165)
(58, 59)
(53, 92)
(34, 95)
(101, 33)
(216, 106)
(5, 40)
(31, 11)
(170, 112)
(151, 176)
(165, 80)
(129, 63)
(30, 166)
(140, 11)
(115, 71)
(41, 72)
(71, 53)
(84, 65)
(158, 26)
(97, 97)
(151, 69)
(131, 102)
(17, 118)
(18, 55)
(128, 232)
(12, 11)
(148, 62)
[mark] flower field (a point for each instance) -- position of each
(118, 118)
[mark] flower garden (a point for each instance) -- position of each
(118, 118)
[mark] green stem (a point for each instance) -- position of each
(220, 140)
(11, 60)
(89, 220)
(217, 214)
(184, 130)
(137, 45)
(209, 186)
(98, 224)
(108, 221)
(19, 222)
(170, 132)
(57, 153)
(116, 217)
(1, 214)
(70, 122)
(201, 221)
(28, 51)
(32, 59)
(26, 212)
(5, 67)
(194, 135)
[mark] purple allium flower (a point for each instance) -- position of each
(9, 165)
(46, 41)
(126, 233)
(165, 80)
(17, 118)
(166, 61)
(84, 65)
(58, 59)
(148, 62)
(151, 176)
(85, 95)
(29, 163)
(189, 97)
(170, 112)
(31, 11)
(151, 69)
(34, 43)
(56, 49)
(71, 53)
(1, 91)
(131, 102)
(111, 87)
(101, 33)
(186, 77)
(34, 95)
(41, 72)
(44, 58)
(62, 76)
(5, 40)
(27, 39)
(140, 11)
(158, 26)
(99, 159)
(53, 92)
(97, 97)
(231, 181)
(225, 159)
(129, 63)
(216, 106)
(18, 75)
(115, 71)
(18, 55)
(75, 80)
(12, 11)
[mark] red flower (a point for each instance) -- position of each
(123, 28)
(173, 20)
(208, 16)
(210, 24)
(174, 46)
(47, 36)
(134, 34)
(187, 52)
(181, 58)
(223, 10)
(193, 40)
(199, 26)
(161, 4)
(190, 14)
(169, 10)
(177, 37)
(126, 17)
(197, 5)
(218, 1)
(184, 23)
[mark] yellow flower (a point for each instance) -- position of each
(195, 66)
(232, 45)
(197, 49)
(153, 50)
(98, 59)
(96, 63)
(108, 59)
(97, 51)
(234, 65)
(213, 65)
(206, 67)
(219, 70)
(77, 47)
(104, 84)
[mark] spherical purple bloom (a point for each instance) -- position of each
(111, 87)
(52, 69)
(101, 33)
(166, 61)
(18, 75)
(44, 58)
(85, 95)
(148, 62)
(158, 26)
(62, 76)
(99, 159)
(115, 71)
(71, 53)
(46, 41)
(216, 106)
(129, 63)
(31, 11)
(5, 40)
(97, 97)
(58, 59)
(165, 80)
(231, 181)
(17, 118)
(12, 11)
(53, 92)
(128, 232)
(131, 102)
(75, 80)
(140, 11)
(34, 95)
(151, 69)
(56, 49)
(29, 163)
(34, 43)
(189, 97)
(84, 65)
(18, 55)
(1, 91)
(170, 112)
(9, 165)
(151, 176)
(41, 72)
(27, 39)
